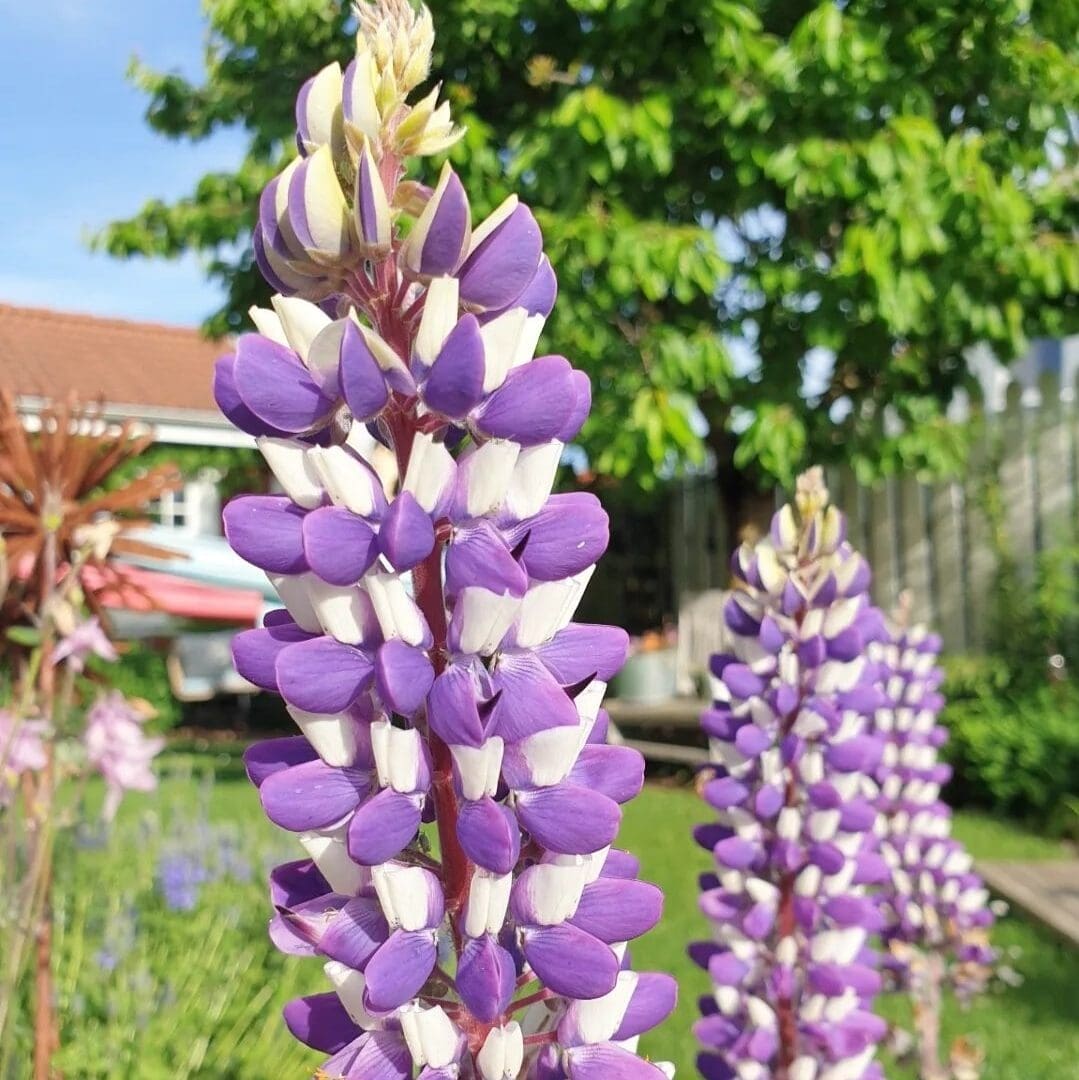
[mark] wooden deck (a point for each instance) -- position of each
(679, 717)
(1047, 891)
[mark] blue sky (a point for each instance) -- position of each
(76, 153)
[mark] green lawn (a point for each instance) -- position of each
(151, 992)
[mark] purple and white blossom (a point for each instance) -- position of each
(790, 958)
(932, 902)
(427, 649)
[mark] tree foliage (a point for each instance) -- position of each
(859, 191)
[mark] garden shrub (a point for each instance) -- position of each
(1017, 753)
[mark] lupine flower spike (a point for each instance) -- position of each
(793, 842)
(428, 652)
(935, 907)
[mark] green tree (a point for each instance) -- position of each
(858, 190)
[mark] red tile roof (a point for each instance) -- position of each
(138, 365)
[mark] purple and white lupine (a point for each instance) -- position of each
(790, 900)
(935, 907)
(427, 649)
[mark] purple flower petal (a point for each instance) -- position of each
(363, 384)
(440, 237)
(263, 759)
(453, 709)
(384, 1055)
(322, 675)
(276, 387)
(397, 972)
(530, 700)
(615, 771)
(568, 819)
(489, 834)
(231, 404)
(504, 262)
(570, 961)
(581, 650)
(539, 294)
(255, 652)
(312, 795)
(355, 934)
(295, 883)
(455, 385)
(383, 826)
(407, 534)
(485, 978)
(321, 1022)
(532, 405)
(614, 910)
(654, 999)
(403, 676)
(339, 546)
(267, 531)
(605, 1060)
(568, 535)
(582, 406)
(478, 555)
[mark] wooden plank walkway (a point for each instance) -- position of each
(1047, 891)
(680, 714)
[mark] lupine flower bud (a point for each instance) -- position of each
(793, 838)
(932, 901)
(427, 649)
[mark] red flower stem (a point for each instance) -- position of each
(456, 871)
(531, 999)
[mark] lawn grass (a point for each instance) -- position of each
(225, 984)
(1029, 1032)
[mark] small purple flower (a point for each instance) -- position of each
(85, 640)
(793, 840)
(180, 877)
(22, 749)
(119, 749)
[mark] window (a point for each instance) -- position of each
(170, 509)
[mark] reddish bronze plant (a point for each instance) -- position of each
(53, 489)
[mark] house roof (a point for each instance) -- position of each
(143, 370)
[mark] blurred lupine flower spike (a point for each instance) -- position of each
(933, 901)
(793, 837)
(427, 651)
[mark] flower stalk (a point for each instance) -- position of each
(427, 649)
(934, 906)
(793, 972)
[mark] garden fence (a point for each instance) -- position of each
(933, 538)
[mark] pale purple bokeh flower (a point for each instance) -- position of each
(86, 640)
(119, 749)
(22, 749)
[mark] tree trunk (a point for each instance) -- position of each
(746, 505)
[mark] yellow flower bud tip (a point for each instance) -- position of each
(400, 37)
(811, 494)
